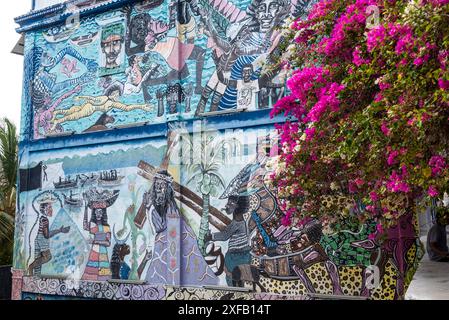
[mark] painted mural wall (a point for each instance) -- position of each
(177, 203)
(156, 61)
(193, 209)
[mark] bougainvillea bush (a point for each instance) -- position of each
(368, 129)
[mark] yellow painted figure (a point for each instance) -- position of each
(96, 104)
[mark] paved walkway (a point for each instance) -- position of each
(431, 280)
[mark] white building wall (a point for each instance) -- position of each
(39, 4)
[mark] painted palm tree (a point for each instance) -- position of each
(208, 153)
(8, 176)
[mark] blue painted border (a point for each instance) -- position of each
(219, 122)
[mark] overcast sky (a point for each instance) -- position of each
(11, 64)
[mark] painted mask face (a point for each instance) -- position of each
(266, 13)
(115, 95)
(172, 97)
(112, 47)
(160, 188)
(246, 74)
(98, 215)
(126, 250)
(47, 209)
(231, 206)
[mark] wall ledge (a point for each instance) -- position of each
(46, 17)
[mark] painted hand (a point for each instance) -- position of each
(64, 229)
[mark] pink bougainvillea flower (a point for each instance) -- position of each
(397, 184)
(374, 196)
(432, 192)
(359, 182)
(384, 128)
(357, 57)
(379, 97)
(379, 228)
(443, 84)
(356, 90)
(392, 157)
(310, 133)
(437, 164)
(375, 37)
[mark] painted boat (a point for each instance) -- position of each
(110, 179)
(84, 40)
(71, 201)
(58, 34)
(111, 183)
(67, 183)
(148, 5)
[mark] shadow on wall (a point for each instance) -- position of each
(5, 283)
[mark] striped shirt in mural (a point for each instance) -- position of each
(237, 234)
(42, 242)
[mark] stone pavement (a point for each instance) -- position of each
(431, 281)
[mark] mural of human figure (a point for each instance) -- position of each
(44, 115)
(112, 39)
(119, 268)
(253, 39)
(174, 94)
(45, 84)
(167, 243)
(247, 89)
(101, 104)
(145, 34)
(237, 235)
(185, 22)
(98, 266)
(135, 75)
(42, 252)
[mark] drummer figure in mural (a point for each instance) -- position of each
(237, 235)
(98, 266)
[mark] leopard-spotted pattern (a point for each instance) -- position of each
(320, 279)
(387, 288)
(411, 254)
(255, 262)
(351, 278)
(292, 287)
(398, 203)
(338, 202)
